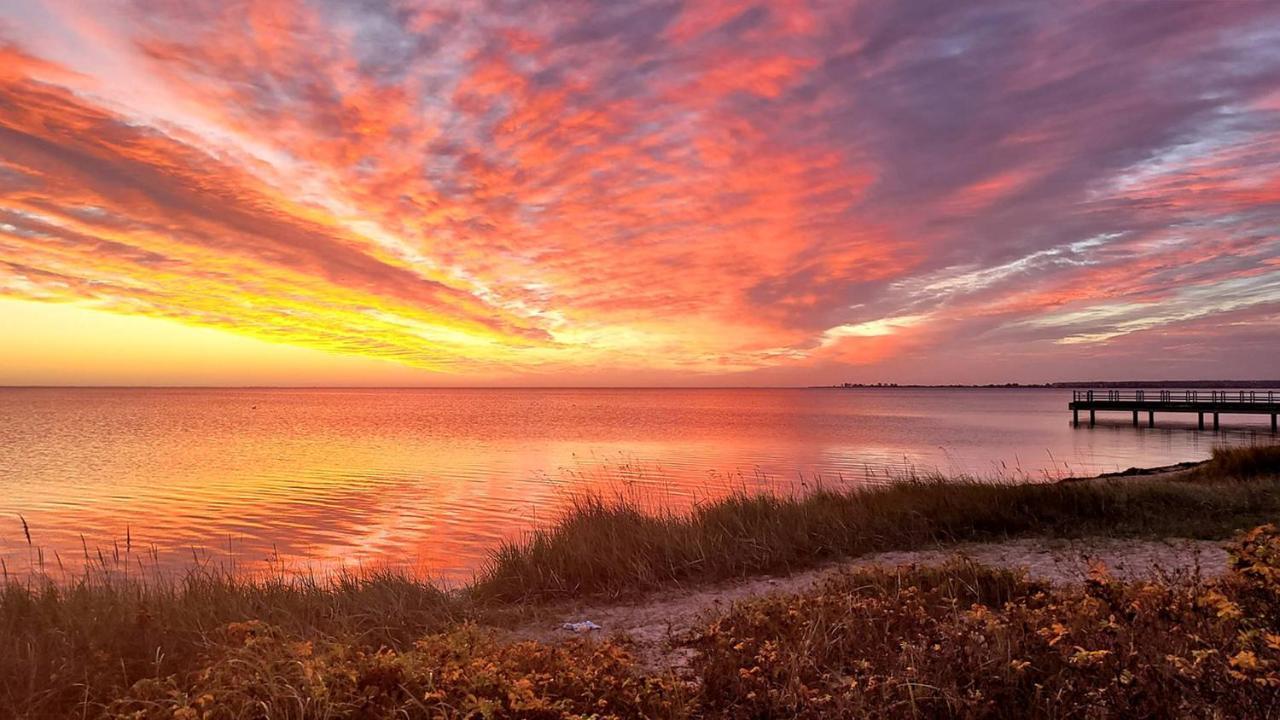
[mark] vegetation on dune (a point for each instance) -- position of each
(464, 673)
(956, 641)
(973, 642)
(67, 644)
(1250, 461)
(617, 546)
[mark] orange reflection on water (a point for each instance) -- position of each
(435, 479)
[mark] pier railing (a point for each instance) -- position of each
(1200, 402)
(1261, 397)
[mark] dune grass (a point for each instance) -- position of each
(616, 545)
(76, 643)
(1249, 461)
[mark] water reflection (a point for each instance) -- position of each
(436, 478)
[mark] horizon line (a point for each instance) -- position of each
(851, 385)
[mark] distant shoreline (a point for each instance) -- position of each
(1072, 385)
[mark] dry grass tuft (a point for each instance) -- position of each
(1252, 461)
(616, 547)
(80, 643)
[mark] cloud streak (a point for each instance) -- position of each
(788, 191)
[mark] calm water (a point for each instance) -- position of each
(435, 478)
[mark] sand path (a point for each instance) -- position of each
(656, 622)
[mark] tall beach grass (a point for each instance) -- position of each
(620, 545)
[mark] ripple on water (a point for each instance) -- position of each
(436, 478)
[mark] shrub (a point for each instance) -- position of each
(261, 672)
(969, 641)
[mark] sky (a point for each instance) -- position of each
(502, 192)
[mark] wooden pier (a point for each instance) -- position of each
(1200, 402)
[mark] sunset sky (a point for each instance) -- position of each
(615, 193)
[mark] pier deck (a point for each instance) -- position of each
(1200, 402)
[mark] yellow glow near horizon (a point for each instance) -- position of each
(62, 343)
